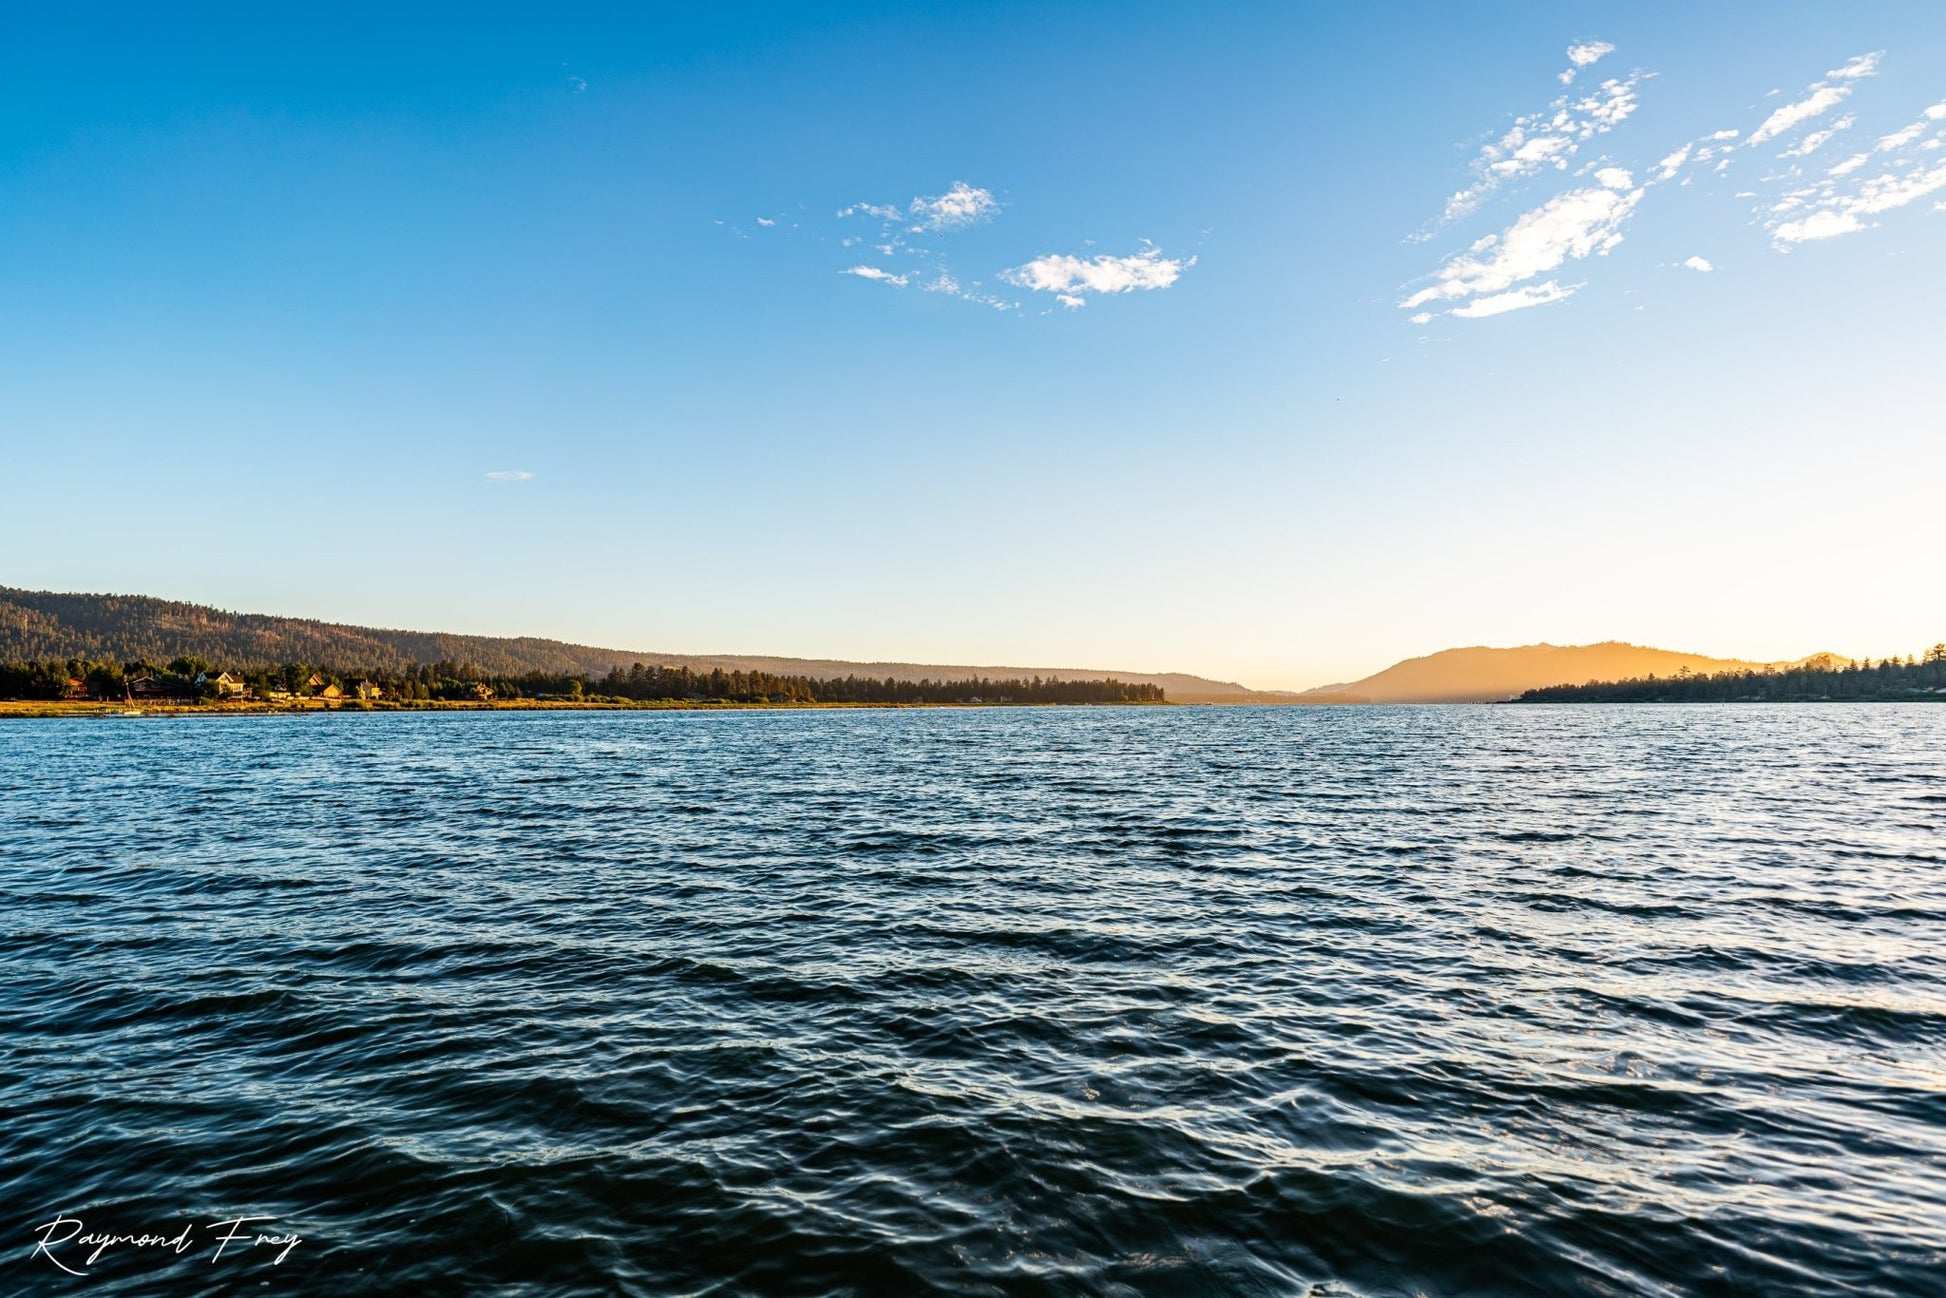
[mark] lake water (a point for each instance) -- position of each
(1352, 1001)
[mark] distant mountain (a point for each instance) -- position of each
(1483, 675)
(42, 626)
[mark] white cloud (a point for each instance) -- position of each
(883, 213)
(1821, 100)
(874, 273)
(1818, 225)
(1818, 139)
(1900, 138)
(1580, 223)
(957, 208)
(1424, 317)
(1064, 274)
(508, 475)
(1584, 55)
(943, 282)
(1823, 97)
(1844, 200)
(1698, 263)
(1838, 214)
(1070, 301)
(1891, 191)
(1517, 300)
(1670, 165)
(764, 220)
(1720, 136)
(1539, 141)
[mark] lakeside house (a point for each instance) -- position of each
(223, 685)
(368, 690)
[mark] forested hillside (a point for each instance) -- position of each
(1822, 679)
(45, 627)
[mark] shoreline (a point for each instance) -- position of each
(23, 709)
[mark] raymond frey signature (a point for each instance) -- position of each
(70, 1245)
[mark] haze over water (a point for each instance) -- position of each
(1629, 1000)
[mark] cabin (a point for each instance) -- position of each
(327, 692)
(368, 690)
(480, 692)
(223, 685)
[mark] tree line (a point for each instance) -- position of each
(46, 626)
(189, 676)
(1824, 678)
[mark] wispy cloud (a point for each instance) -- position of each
(1584, 55)
(1548, 139)
(957, 208)
(1902, 137)
(874, 273)
(1839, 204)
(1578, 224)
(1517, 300)
(1846, 213)
(508, 475)
(1069, 277)
(1820, 98)
(1518, 267)
(1865, 65)
(1816, 140)
(946, 284)
(909, 242)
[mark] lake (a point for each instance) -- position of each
(1353, 1001)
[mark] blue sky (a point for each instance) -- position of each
(1270, 342)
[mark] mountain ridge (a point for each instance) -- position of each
(1483, 674)
(57, 626)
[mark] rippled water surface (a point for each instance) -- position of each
(1118, 1001)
